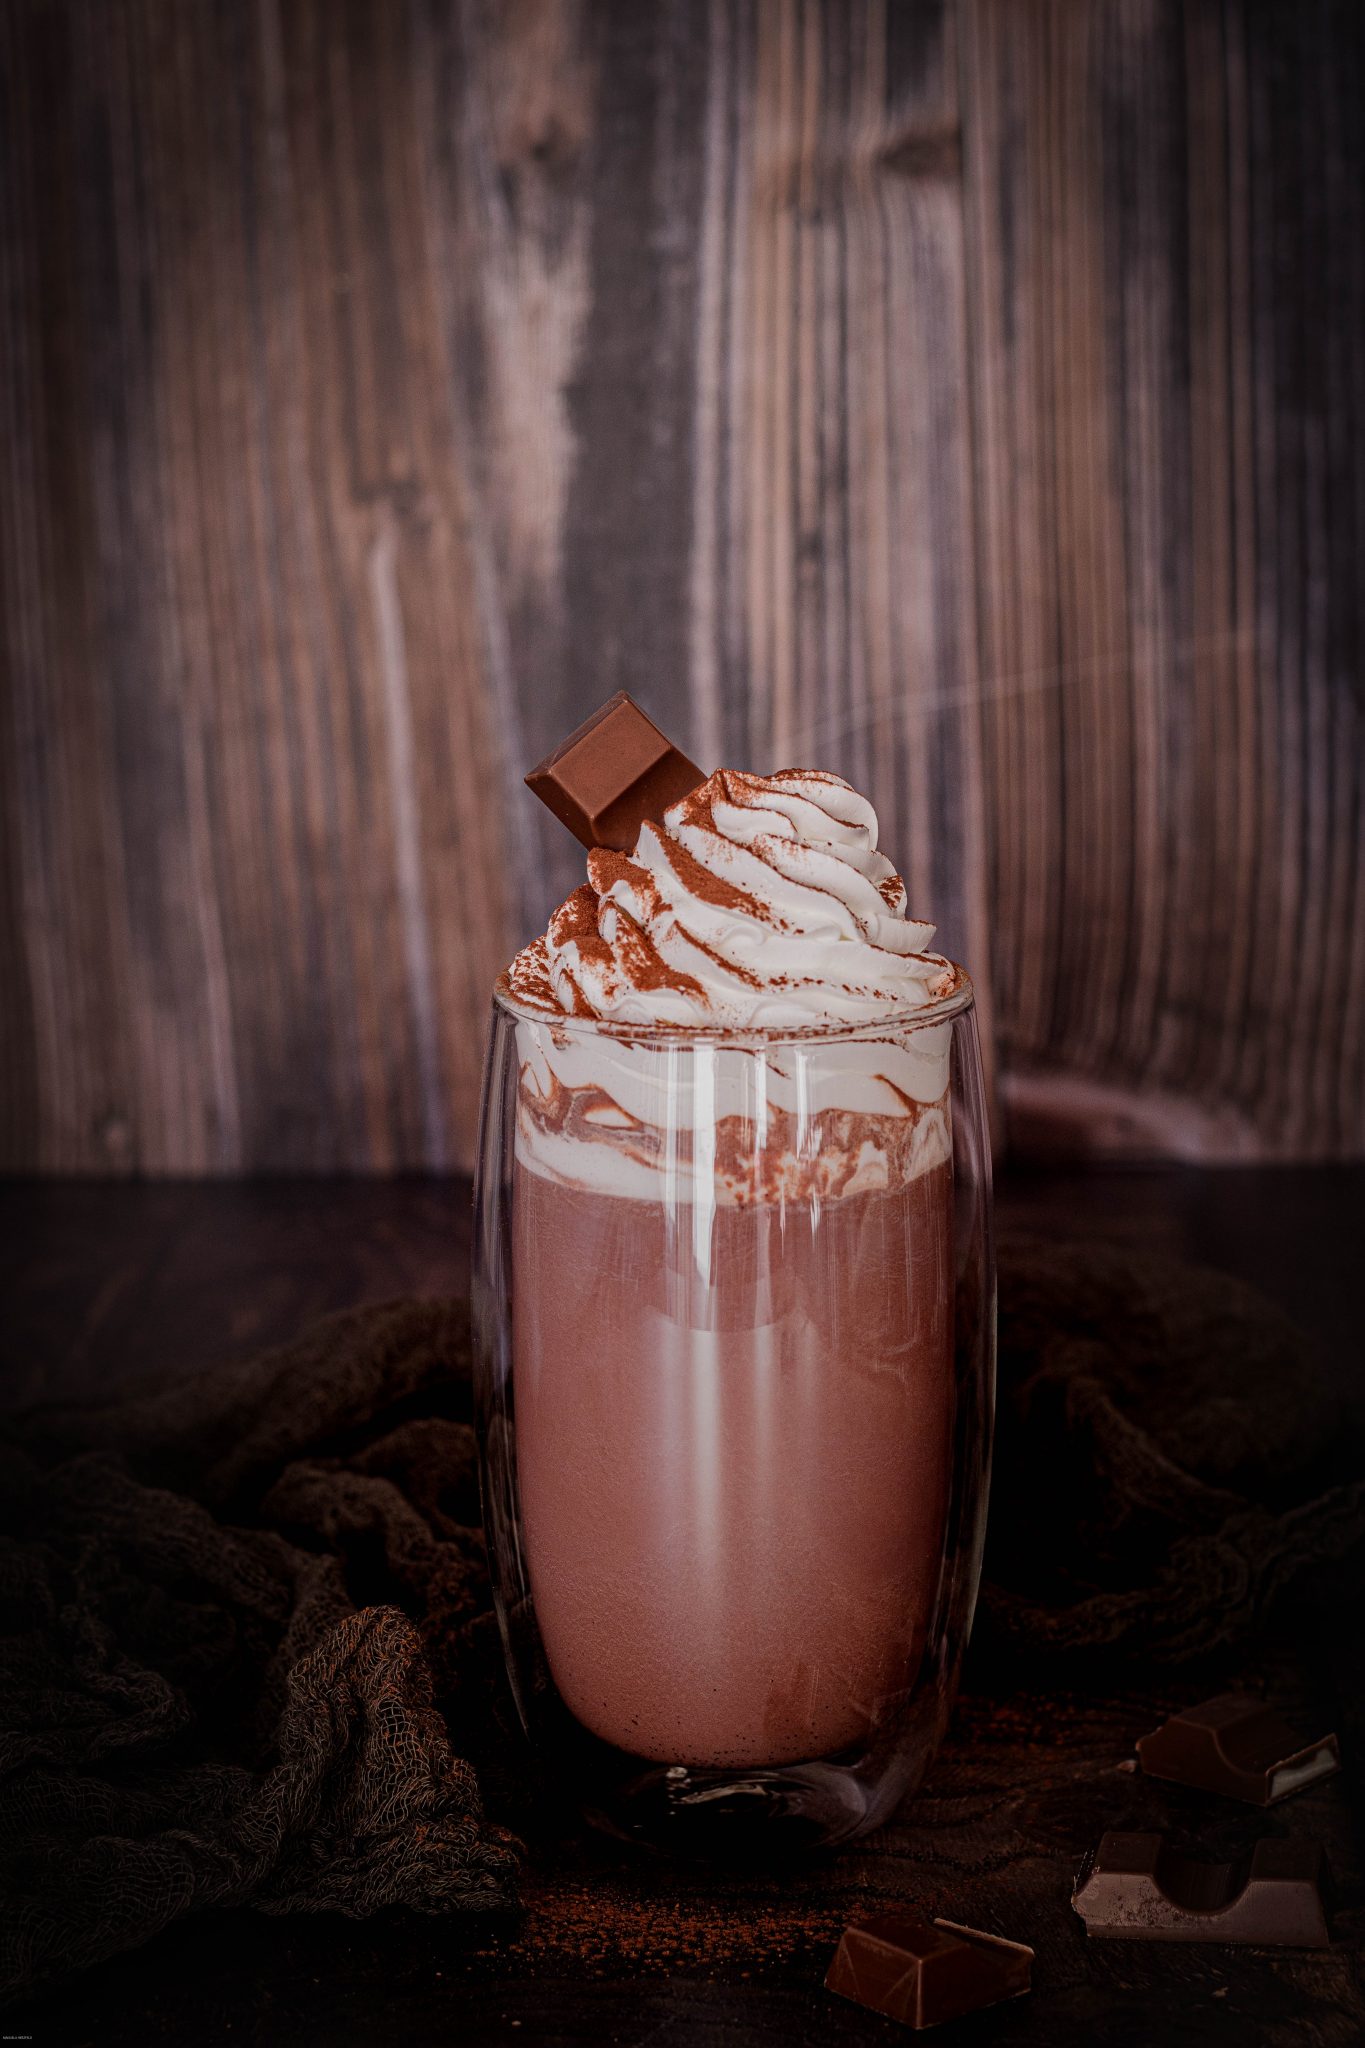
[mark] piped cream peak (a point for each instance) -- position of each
(757, 901)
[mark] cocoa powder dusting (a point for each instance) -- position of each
(642, 964)
(696, 810)
(727, 967)
(735, 785)
(824, 775)
(709, 888)
(528, 982)
(631, 955)
(575, 923)
(606, 867)
(615, 1921)
(737, 788)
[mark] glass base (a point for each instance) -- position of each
(758, 1813)
(736, 1816)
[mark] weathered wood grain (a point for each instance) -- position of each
(963, 395)
(259, 904)
(1164, 206)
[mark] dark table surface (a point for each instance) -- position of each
(106, 1283)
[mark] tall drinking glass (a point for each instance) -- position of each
(735, 1348)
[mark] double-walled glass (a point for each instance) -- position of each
(735, 1331)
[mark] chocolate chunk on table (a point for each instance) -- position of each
(612, 774)
(1138, 1888)
(1238, 1746)
(922, 1972)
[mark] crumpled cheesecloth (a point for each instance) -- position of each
(227, 1611)
(246, 1650)
(1169, 1457)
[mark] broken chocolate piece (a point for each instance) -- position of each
(921, 1972)
(1238, 1746)
(1138, 1888)
(604, 780)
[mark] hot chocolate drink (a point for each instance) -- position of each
(733, 1495)
(731, 1317)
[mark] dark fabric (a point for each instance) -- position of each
(223, 1608)
(248, 1653)
(1169, 1457)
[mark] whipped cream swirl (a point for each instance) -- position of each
(761, 901)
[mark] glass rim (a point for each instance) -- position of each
(940, 1010)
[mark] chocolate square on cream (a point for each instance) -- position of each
(615, 771)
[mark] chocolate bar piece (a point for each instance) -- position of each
(1238, 1746)
(604, 780)
(921, 1972)
(1137, 1888)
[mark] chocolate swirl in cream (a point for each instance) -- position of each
(759, 917)
(761, 902)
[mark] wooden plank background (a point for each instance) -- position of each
(968, 395)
